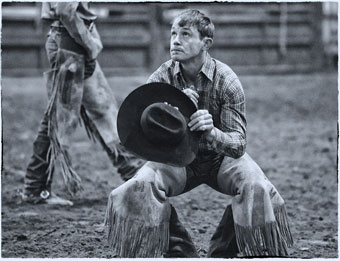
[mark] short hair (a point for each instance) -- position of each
(195, 18)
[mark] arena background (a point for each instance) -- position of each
(286, 55)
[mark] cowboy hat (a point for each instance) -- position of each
(152, 123)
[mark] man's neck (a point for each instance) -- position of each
(190, 69)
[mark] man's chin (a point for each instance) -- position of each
(176, 58)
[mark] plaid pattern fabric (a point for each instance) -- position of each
(221, 93)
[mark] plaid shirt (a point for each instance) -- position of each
(221, 93)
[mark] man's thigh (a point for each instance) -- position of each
(234, 173)
(98, 97)
(170, 179)
(101, 105)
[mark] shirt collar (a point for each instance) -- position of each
(207, 68)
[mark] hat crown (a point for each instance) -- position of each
(163, 124)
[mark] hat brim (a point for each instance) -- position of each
(132, 136)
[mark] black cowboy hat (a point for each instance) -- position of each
(153, 123)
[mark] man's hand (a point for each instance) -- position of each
(202, 120)
(192, 94)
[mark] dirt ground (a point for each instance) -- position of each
(292, 134)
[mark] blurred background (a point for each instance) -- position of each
(286, 56)
(250, 37)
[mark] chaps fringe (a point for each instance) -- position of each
(282, 220)
(71, 178)
(271, 239)
(131, 238)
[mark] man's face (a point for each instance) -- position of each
(185, 43)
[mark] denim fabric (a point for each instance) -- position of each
(180, 242)
(203, 170)
(36, 174)
(223, 242)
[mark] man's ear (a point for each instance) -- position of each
(208, 42)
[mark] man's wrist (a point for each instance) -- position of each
(211, 135)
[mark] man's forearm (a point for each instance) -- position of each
(232, 144)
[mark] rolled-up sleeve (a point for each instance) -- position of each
(67, 13)
(230, 135)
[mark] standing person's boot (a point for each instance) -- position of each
(37, 182)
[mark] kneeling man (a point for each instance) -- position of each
(208, 149)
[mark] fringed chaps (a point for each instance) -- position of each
(138, 217)
(261, 223)
(138, 212)
(66, 109)
(65, 90)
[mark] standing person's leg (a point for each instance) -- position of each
(260, 220)
(102, 109)
(36, 174)
(38, 179)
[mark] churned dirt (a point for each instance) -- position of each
(292, 135)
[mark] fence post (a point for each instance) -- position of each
(156, 51)
(317, 47)
(39, 29)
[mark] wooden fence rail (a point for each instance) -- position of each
(250, 37)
